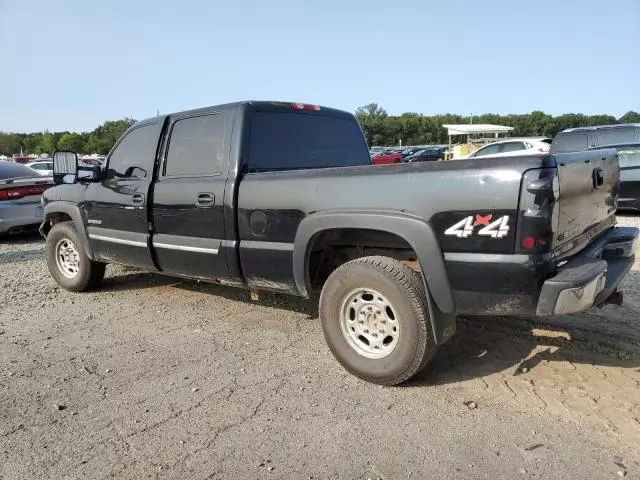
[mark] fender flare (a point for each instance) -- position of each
(414, 230)
(73, 211)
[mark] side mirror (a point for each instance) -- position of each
(65, 167)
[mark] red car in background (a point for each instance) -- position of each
(384, 158)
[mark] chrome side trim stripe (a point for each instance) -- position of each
(120, 241)
(184, 248)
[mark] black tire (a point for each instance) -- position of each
(89, 273)
(404, 290)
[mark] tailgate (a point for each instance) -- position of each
(588, 183)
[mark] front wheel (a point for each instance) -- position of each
(374, 317)
(68, 264)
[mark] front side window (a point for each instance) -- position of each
(133, 157)
(488, 150)
(196, 147)
(569, 142)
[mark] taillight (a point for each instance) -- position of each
(305, 106)
(538, 215)
(15, 193)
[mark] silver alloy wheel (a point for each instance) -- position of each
(369, 323)
(67, 258)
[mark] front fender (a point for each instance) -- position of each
(414, 230)
(72, 210)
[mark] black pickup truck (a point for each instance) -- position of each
(283, 197)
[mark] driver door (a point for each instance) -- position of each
(117, 209)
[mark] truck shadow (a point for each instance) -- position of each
(513, 347)
(129, 278)
(28, 237)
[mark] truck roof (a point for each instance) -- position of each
(259, 106)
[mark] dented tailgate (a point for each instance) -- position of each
(589, 183)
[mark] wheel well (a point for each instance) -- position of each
(331, 248)
(56, 217)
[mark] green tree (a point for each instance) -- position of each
(46, 144)
(630, 117)
(10, 143)
(106, 135)
(72, 142)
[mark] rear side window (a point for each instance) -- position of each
(512, 147)
(292, 141)
(196, 147)
(14, 170)
(569, 142)
(629, 157)
(133, 157)
(611, 136)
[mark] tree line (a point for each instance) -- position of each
(98, 141)
(379, 127)
(382, 129)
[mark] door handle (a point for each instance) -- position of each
(205, 199)
(137, 199)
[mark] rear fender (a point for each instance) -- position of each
(72, 210)
(414, 230)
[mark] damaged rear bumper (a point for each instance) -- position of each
(589, 278)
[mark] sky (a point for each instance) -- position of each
(72, 64)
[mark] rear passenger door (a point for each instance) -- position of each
(188, 208)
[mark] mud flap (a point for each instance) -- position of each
(443, 324)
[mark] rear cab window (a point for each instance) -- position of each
(293, 141)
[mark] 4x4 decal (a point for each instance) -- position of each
(466, 227)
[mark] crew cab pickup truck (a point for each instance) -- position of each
(282, 197)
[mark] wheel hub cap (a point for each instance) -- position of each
(369, 323)
(67, 258)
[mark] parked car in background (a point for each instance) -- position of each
(583, 138)
(92, 160)
(410, 151)
(43, 167)
(430, 154)
(513, 147)
(20, 191)
(384, 158)
(629, 160)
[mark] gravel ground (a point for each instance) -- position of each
(153, 377)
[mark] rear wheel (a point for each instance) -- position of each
(69, 265)
(374, 317)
